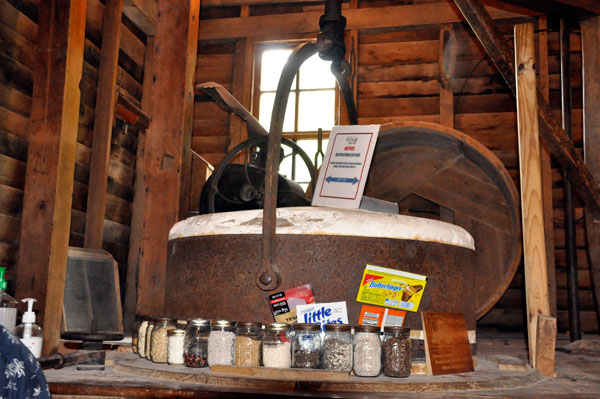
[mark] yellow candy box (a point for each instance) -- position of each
(391, 288)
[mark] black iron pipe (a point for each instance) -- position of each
(570, 228)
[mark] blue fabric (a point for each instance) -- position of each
(21, 376)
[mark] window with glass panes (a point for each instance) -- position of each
(311, 106)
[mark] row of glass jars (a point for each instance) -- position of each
(218, 342)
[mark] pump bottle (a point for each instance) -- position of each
(8, 305)
(30, 333)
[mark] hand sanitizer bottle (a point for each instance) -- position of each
(8, 305)
(29, 332)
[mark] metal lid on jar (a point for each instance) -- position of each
(367, 329)
(397, 330)
(337, 327)
(248, 324)
(198, 322)
(306, 327)
(222, 323)
(175, 332)
(278, 327)
(163, 319)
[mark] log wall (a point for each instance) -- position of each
(18, 32)
(399, 79)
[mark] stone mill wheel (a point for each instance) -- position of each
(434, 171)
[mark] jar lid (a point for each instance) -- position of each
(367, 329)
(222, 323)
(198, 322)
(163, 319)
(248, 324)
(306, 327)
(278, 327)
(397, 330)
(175, 332)
(337, 327)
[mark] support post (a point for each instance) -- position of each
(52, 146)
(447, 62)
(570, 239)
(590, 37)
(534, 248)
(165, 148)
(104, 116)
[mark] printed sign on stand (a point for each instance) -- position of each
(343, 176)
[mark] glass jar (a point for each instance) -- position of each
(277, 346)
(220, 342)
(367, 351)
(175, 347)
(160, 340)
(196, 343)
(396, 350)
(148, 338)
(248, 337)
(306, 346)
(337, 348)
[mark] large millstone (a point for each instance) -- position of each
(214, 260)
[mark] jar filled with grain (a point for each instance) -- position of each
(160, 340)
(196, 343)
(306, 346)
(248, 338)
(396, 350)
(367, 351)
(277, 346)
(135, 333)
(148, 335)
(175, 340)
(220, 342)
(337, 348)
(141, 337)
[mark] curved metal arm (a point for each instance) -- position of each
(342, 70)
(270, 278)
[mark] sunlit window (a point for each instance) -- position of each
(311, 106)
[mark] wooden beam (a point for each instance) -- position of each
(559, 144)
(590, 37)
(546, 165)
(447, 62)
(534, 247)
(236, 127)
(104, 116)
(546, 343)
(360, 18)
(573, 10)
(139, 187)
(143, 14)
(51, 162)
(174, 64)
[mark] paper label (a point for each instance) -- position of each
(34, 344)
(391, 288)
(323, 313)
(377, 316)
(283, 304)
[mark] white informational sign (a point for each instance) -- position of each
(344, 172)
(323, 313)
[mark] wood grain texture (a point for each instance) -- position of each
(447, 61)
(50, 169)
(103, 122)
(174, 65)
(534, 246)
(590, 37)
(546, 342)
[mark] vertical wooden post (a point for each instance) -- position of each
(191, 53)
(236, 127)
(103, 122)
(546, 165)
(447, 62)
(534, 247)
(51, 162)
(139, 188)
(590, 37)
(175, 50)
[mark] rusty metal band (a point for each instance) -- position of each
(270, 278)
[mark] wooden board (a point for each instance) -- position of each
(447, 346)
(281, 374)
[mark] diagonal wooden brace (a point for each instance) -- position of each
(553, 135)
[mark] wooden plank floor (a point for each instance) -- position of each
(577, 377)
